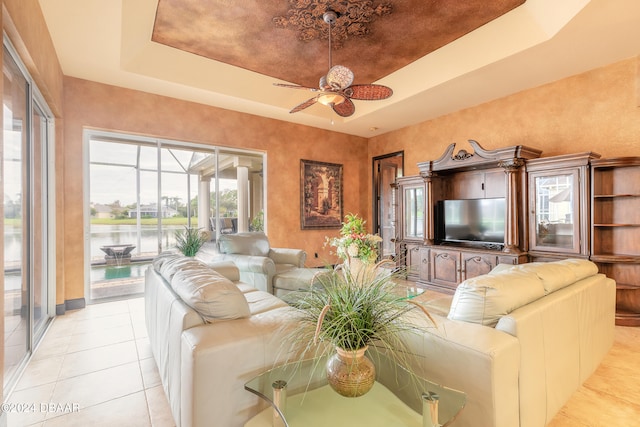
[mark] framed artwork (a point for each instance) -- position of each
(320, 195)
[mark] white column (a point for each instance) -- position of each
(204, 203)
(242, 177)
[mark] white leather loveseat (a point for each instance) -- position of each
(209, 334)
(520, 340)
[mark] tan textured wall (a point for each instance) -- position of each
(28, 32)
(89, 104)
(594, 111)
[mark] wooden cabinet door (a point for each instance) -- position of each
(555, 217)
(474, 265)
(495, 184)
(467, 185)
(413, 261)
(445, 267)
(424, 264)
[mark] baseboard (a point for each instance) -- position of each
(71, 304)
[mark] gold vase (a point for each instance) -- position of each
(350, 372)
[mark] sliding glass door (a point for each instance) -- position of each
(143, 190)
(26, 187)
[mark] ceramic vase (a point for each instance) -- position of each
(362, 272)
(350, 372)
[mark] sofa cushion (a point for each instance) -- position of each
(484, 299)
(554, 275)
(212, 295)
(169, 263)
(255, 244)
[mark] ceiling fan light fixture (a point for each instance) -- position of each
(339, 77)
(330, 98)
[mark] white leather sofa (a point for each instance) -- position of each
(209, 334)
(519, 341)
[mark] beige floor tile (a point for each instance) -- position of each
(101, 338)
(126, 411)
(95, 359)
(150, 374)
(159, 410)
(144, 349)
(99, 310)
(139, 327)
(102, 323)
(39, 372)
(99, 387)
(52, 346)
(61, 327)
(590, 408)
(31, 400)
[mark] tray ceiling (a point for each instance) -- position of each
(288, 40)
(438, 56)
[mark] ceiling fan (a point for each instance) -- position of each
(335, 88)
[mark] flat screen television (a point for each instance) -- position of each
(472, 220)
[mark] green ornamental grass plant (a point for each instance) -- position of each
(190, 240)
(351, 313)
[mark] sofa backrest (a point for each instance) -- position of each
(202, 288)
(485, 299)
(256, 244)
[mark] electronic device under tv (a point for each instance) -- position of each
(479, 221)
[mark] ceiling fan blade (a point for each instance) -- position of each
(368, 92)
(313, 89)
(345, 108)
(308, 103)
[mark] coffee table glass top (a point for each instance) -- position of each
(300, 396)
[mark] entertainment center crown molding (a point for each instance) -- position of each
(434, 259)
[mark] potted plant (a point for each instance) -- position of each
(348, 314)
(354, 241)
(190, 240)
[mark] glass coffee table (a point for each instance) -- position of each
(300, 396)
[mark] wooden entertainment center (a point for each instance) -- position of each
(467, 212)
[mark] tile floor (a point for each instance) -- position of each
(95, 366)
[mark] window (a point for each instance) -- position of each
(28, 190)
(142, 191)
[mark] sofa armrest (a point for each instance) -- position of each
(254, 264)
(295, 257)
(219, 358)
(478, 360)
(257, 271)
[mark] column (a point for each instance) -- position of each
(428, 208)
(204, 202)
(242, 178)
(511, 240)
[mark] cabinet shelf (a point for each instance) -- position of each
(615, 196)
(615, 225)
(615, 258)
(616, 231)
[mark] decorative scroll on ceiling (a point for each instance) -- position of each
(354, 17)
